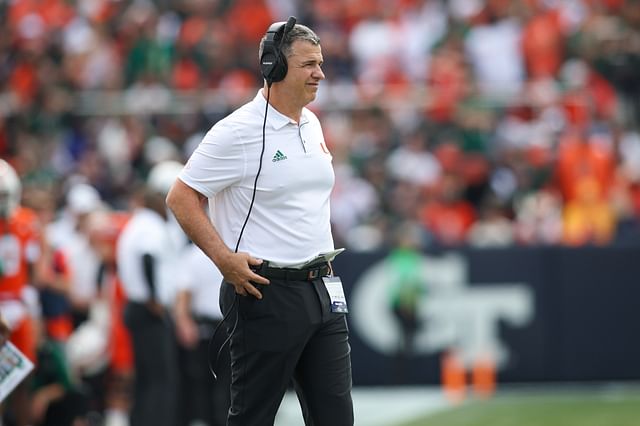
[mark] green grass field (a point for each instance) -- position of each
(602, 408)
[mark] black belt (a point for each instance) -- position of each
(293, 274)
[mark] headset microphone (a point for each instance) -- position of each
(290, 23)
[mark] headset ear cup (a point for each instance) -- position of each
(280, 68)
(273, 64)
(268, 62)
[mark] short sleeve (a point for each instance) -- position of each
(217, 163)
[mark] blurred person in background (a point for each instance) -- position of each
(494, 227)
(107, 368)
(105, 229)
(58, 397)
(588, 218)
(204, 400)
(71, 353)
(407, 287)
(55, 299)
(353, 203)
(446, 214)
(22, 266)
(493, 49)
(148, 264)
(69, 235)
(79, 199)
(538, 218)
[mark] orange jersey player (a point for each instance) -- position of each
(21, 258)
(20, 252)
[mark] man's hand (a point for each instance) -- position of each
(187, 331)
(236, 270)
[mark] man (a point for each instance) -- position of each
(146, 254)
(289, 323)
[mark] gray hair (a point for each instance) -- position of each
(298, 32)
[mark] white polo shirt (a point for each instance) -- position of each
(290, 220)
(202, 279)
(148, 233)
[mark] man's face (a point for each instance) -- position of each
(304, 72)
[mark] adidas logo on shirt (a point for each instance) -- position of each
(278, 156)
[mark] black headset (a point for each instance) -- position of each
(273, 63)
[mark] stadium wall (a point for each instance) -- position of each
(543, 314)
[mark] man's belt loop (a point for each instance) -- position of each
(313, 274)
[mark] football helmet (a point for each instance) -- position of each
(10, 190)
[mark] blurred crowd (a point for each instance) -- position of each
(482, 122)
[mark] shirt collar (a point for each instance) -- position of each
(276, 119)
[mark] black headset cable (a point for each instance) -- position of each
(234, 306)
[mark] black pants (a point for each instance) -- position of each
(289, 335)
(155, 363)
